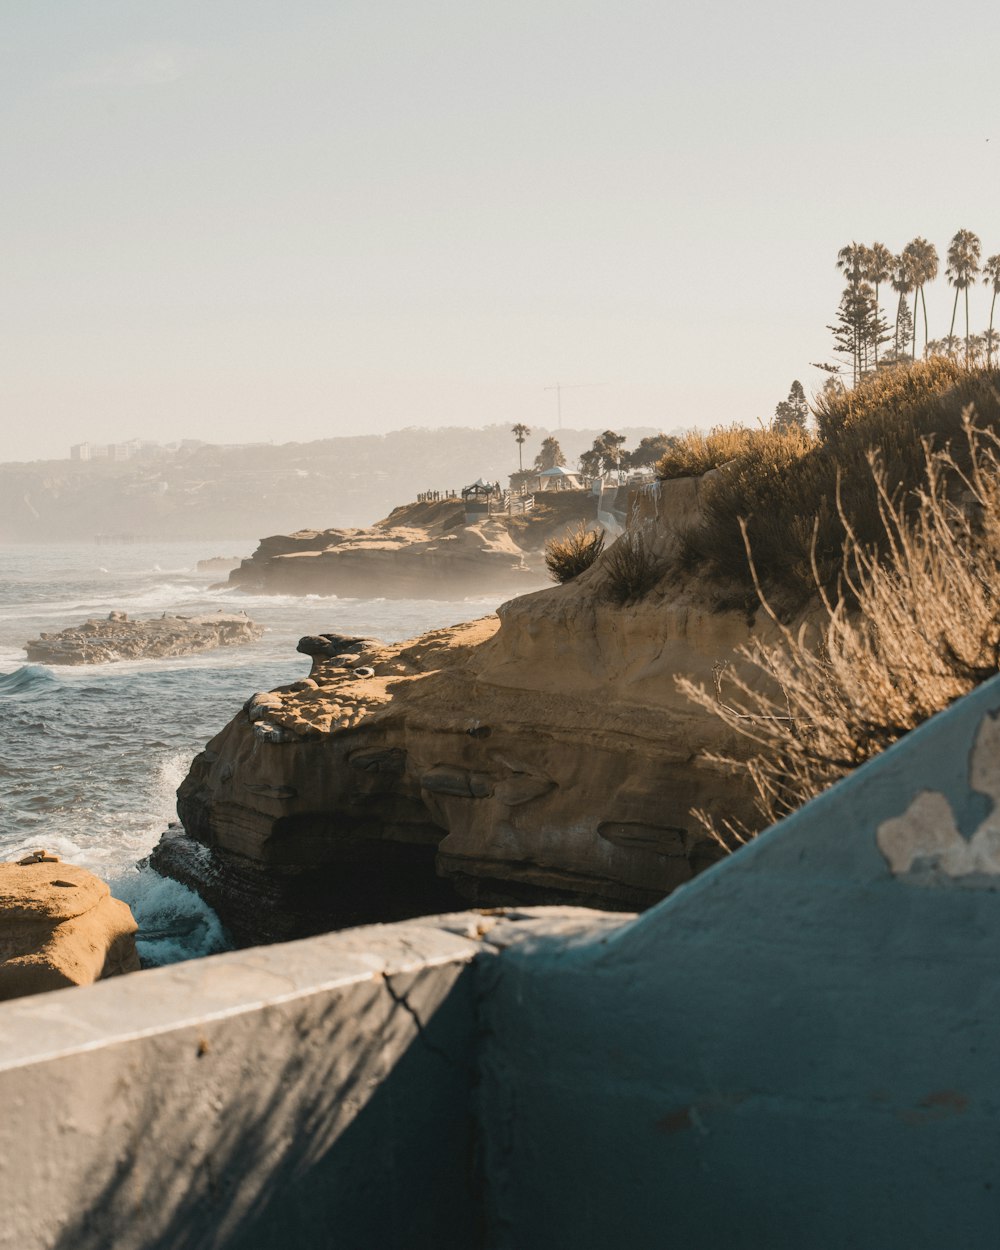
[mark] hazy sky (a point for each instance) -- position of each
(245, 219)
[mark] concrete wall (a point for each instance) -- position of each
(308, 1095)
(799, 1049)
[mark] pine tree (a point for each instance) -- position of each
(793, 411)
(904, 331)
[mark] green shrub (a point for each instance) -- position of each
(568, 557)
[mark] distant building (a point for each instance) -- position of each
(79, 451)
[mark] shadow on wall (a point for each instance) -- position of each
(351, 1128)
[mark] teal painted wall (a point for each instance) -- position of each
(799, 1049)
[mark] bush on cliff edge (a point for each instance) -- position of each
(914, 629)
(784, 488)
(573, 554)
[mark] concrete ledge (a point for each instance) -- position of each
(316, 1093)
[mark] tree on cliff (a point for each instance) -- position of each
(922, 259)
(550, 456)
(650, 450)
(963, 265)
(878, 269)
(605, 456)
(793, 411)
(520, 433)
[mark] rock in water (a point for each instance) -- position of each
(59, 926)
(99, 641)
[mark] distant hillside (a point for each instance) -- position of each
(252, 491)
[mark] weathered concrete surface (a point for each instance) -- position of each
(101, 640)
(59, 926)
(543, 755)
(314, 1094)
(798, 1049)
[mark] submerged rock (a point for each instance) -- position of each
(99, 641)
(59, 926)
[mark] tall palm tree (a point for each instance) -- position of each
(520, 433)
(924, 259)
(963, 265)
(991, 274)
(878, 263)
(902, 284)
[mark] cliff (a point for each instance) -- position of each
(541, 755)
(421, 550)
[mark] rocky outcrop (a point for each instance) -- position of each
(539, 755)
(420, 551)
(99, 641)
(59, 926)
(218, 564)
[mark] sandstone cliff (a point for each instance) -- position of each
(539, 755)
(99, 641)
(59, 926)
(422, 550)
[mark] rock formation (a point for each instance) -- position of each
(98, 641)
(218, 564)
(540, 755)
(59, 926)
(424, 550)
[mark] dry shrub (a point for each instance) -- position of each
(631, 568)
(913, 630)
(695, 453)
(786, 494)
(568, 557)
(898, 387)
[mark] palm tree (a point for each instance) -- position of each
(963, 265)
(924, 259)
(902, 284)
(520, 433)
(878, 267)
(991, 274)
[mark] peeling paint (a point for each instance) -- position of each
(925, 842)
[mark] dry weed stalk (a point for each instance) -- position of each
(910, 631)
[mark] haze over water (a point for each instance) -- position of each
(93, 754)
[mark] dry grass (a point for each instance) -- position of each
(695, 453)
(916, 628)
(785, 492)
(631, 568)
(568, 557)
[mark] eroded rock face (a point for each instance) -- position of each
(401, 563)
(59, 926)
(540, 755)
(99, 641)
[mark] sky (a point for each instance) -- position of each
(245, 220)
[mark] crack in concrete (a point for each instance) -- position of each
(401, 1000)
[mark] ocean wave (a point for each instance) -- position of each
(174, 923)
(27, 679)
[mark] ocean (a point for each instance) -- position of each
(92, 755)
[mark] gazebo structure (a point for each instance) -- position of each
(557, 478)
(481, 498)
